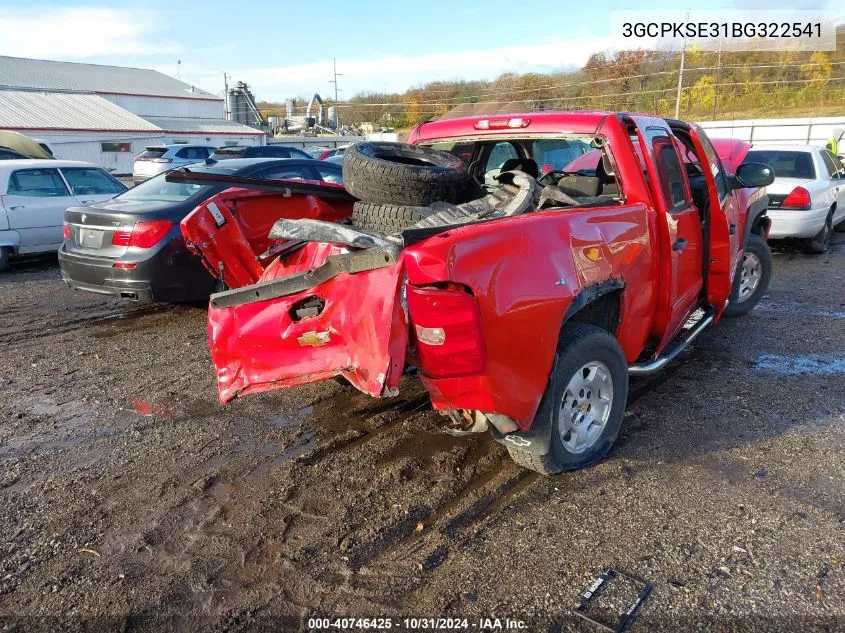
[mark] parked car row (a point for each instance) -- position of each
(157, 159)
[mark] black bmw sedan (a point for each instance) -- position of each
(131, 246)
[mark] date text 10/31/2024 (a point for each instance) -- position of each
(409, 624)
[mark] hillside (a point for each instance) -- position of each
(730, 84)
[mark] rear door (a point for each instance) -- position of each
(724, 246)
(679, 227)
(35, 204)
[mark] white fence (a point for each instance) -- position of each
(816, 131)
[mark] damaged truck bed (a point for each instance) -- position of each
(523, 307)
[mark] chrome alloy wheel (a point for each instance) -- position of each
(585, 408)
(750, 276)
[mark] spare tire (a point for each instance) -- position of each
(385, 218)
(401, 174)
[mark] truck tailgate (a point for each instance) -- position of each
(327, 306)
(352, 325)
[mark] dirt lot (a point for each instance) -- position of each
(132, 501)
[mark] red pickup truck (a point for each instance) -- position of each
(524, 314)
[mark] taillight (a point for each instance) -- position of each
(143, 234)
(66, 231)
(447, 328)
(500, 124)
(162, 160)
(798, 198)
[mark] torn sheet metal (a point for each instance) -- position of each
(331, 232)
(358, 332)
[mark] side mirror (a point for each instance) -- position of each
(753, 175)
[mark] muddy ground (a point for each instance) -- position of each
(132, 501)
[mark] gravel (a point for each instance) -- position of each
(134, 501)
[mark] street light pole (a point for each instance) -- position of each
(334, 81)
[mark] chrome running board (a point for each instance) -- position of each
(672, 351)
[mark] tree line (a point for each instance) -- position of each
(716, 85)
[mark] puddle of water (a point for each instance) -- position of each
(305, 442)
(785, 365)
(284, 420)
(794, 307)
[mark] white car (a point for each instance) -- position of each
(34, 195)
(807, 198)
(159, 158)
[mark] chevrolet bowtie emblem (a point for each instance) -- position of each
(314, 338)
(83, 218)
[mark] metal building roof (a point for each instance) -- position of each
(202, 126)
(39, 74)
(28, 110)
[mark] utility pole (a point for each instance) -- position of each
(716, 84)
(681, 76)
(226, 113)
(336, 89)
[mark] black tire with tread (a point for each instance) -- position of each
(385, 218)
(579, 344)
(818, 245)
(5, 254)
(840, 228)
(400, 174)
(760, 248)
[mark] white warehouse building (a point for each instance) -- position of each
(108, 114)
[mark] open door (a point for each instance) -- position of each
(680, 233)
(724, 247)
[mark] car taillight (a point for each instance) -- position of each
(162, 160)
(798, 198)
(447, 328)
(66, 231)
(143, 234)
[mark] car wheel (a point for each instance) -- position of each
(840, 228)
(753, 274)
(5, 254)
(818, 244)
(584, 402)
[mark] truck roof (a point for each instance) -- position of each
(581, 122)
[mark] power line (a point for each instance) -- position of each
(597, 96)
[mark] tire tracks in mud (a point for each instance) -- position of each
(53, 325)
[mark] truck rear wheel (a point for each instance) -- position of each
(5, 253)
(584, 402)
(396, 173)
(753, 274)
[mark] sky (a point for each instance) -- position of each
(285, 49)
